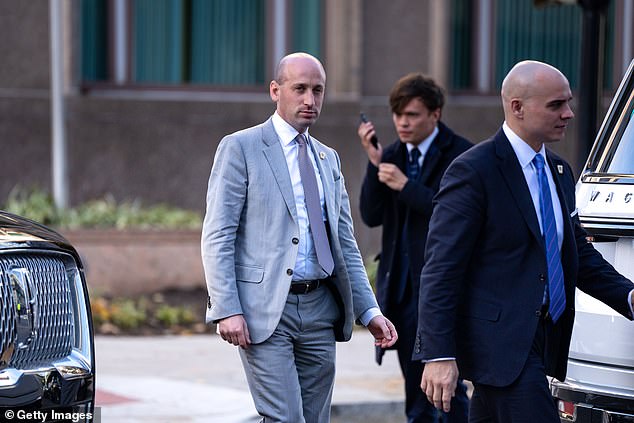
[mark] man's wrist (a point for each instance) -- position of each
(366, 317)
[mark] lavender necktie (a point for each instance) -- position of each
(313, 206)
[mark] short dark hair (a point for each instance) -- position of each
(416, 85)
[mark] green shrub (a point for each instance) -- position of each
(100, 213)
(34, 204)
(126, 314)
(171, 316)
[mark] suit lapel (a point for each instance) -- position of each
(557, 170)
(514, 177)
(429, 163)
(276, 160)
(327, 180)
(568, 245)
(397, 156)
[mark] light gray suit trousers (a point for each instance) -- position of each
(249, 255)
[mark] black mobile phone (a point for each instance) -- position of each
(374, 140)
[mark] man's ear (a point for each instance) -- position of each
(517, 108)
(436, 114)
(274, 90)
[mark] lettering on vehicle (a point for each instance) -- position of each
(609, 201)
(609, 197)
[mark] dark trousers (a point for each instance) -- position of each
(526, 400)
(417, 408)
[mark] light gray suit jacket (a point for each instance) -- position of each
(251, 221)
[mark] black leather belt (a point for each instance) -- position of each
(304, 287)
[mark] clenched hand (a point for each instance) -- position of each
(233, 329)
(439, 383)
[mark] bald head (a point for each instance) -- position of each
(524, 79)
(280, 71)
(536, 99)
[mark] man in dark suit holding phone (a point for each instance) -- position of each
(504, 255)
(397, 193)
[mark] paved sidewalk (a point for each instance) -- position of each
(200, 379)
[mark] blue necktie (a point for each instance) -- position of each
(556, 291)
(413, 168)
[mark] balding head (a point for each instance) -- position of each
(536, 98)
(280, 71)
(298, 89)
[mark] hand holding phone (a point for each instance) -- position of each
(374, 140)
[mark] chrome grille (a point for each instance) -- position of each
(7, 322)
(53, 325)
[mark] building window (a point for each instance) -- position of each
(192, 42)
(94, 40)
(461, 33)
(306, 26)
(489, 36)
(548, 34)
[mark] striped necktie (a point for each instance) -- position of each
(556, 292)
(413, 168)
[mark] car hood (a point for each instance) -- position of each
(19, 232)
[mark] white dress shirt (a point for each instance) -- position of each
(423, 146)
(306, 267)
(525, 155)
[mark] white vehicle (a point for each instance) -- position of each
(600, 382)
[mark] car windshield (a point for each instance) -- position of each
(622, 160)
(612, 158)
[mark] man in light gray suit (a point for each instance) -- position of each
(284, 274)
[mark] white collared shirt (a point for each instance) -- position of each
(423, 147)
(306, 267)
(525, 155)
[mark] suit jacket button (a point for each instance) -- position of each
(538, 313)
(295, 241)
(289, 272)
(542, 277)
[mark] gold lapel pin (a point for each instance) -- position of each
(560, 169)
(322, 155)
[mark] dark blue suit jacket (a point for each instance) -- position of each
(380, 205)
(485, 268)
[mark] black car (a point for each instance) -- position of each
(47, 358)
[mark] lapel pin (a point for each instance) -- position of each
(560, 169)
(322, 155)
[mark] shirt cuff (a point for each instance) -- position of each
(368, 315)
(629, 302)
(439, 359)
